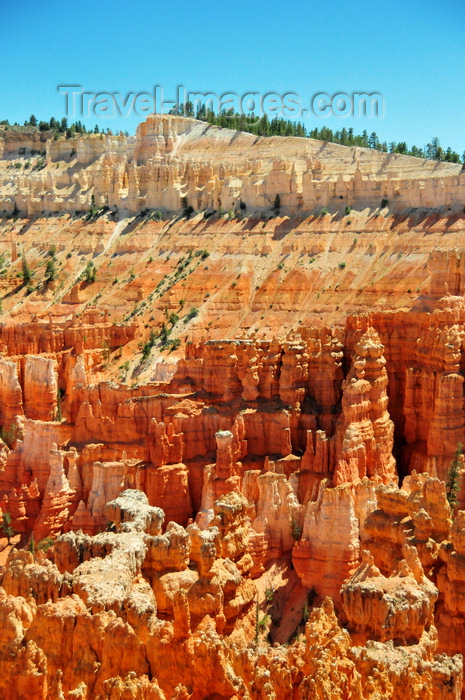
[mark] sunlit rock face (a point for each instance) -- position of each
(174, 159)
(225, 437)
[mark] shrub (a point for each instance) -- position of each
(342, 265)
(324, 211)
(269, 595)
(125, 369)
(296, 530)
(192, 314)
(44, 544)
(9, 435)
(52, 251)
(174, 344)
(347, 210)
(384, 203)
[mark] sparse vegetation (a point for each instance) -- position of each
(124, 370)
(174, 344)
(192, 314)
(269, 595)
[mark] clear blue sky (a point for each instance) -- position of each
(411, 51)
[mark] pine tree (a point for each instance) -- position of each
(27, 274)
(454, 477)
(277, 204)
(50, 271)
(8, 530)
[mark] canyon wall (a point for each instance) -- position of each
(225, 438)
(165, 165)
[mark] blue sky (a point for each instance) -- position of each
(410, 51)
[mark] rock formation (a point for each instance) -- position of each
(163, 165)
(212, 422)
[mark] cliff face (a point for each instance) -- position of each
(208, 425)
(164, 165)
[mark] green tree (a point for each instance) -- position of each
(277, 204)
(454, 477)
(90, 273)
(27, 274)
(6, 526)
(50, 271)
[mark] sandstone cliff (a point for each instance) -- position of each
(164, 165)
(211, 422)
